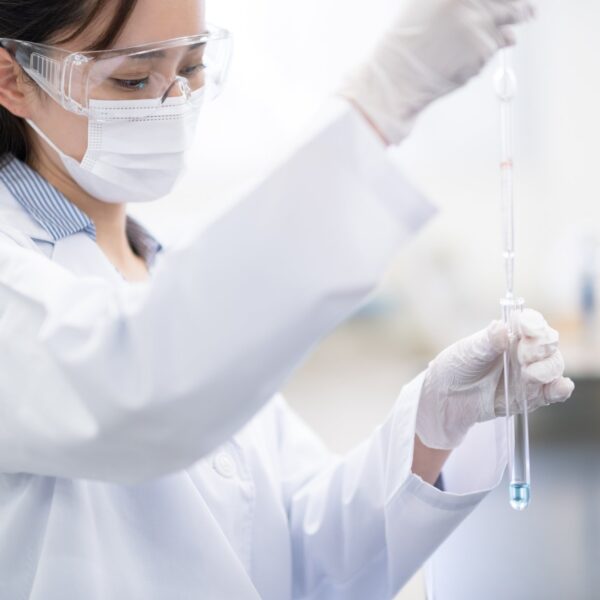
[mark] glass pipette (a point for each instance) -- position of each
(514, 387)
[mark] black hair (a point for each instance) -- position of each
(55, 22)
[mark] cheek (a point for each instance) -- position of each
(67, 130)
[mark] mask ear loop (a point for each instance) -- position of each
(45, 138)
(183, 85)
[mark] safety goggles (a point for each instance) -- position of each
(86, 83)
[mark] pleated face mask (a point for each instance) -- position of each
(135, 153)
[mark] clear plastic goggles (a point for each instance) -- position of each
(83, 81)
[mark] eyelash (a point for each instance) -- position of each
(139, 84)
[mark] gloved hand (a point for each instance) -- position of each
(464, 385)
(434, 47)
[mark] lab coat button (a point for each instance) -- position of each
(224, 465)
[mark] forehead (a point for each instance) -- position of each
(158, 20)
(150, 21)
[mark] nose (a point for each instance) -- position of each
(180, 86)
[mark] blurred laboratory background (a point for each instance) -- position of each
(288, 58)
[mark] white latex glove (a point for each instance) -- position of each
(464, 385)
(434, 47)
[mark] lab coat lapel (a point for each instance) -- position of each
(82, 256)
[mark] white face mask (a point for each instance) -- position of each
(139, 157)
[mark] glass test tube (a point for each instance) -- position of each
(515, 394)
(517, 425)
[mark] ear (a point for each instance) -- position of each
(12, 86)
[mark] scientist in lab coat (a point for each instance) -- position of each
(144, 451)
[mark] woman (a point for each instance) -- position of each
(125, 473)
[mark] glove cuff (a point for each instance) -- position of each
(393, 88)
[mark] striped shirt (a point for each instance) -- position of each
(60, 217)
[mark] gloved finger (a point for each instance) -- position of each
(535, 395)
(507, 37)
(480, 351)
(540, 395)
(559, 390)
(512, 12)
(545, 371)
(509, 16)
(497, 333)
(498, 33)
(531, 350)
(489, 43)
(531, 324)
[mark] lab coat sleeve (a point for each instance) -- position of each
(129, 384)
(363, 524)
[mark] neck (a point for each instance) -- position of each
(110, 220)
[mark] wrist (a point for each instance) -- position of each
(428, 462)
(363, 113)
(440, 424)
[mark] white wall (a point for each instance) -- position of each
(290, 56)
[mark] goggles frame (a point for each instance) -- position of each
(53, 69)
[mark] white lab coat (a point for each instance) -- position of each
(125, 474)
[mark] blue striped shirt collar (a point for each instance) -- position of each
(57, 215)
